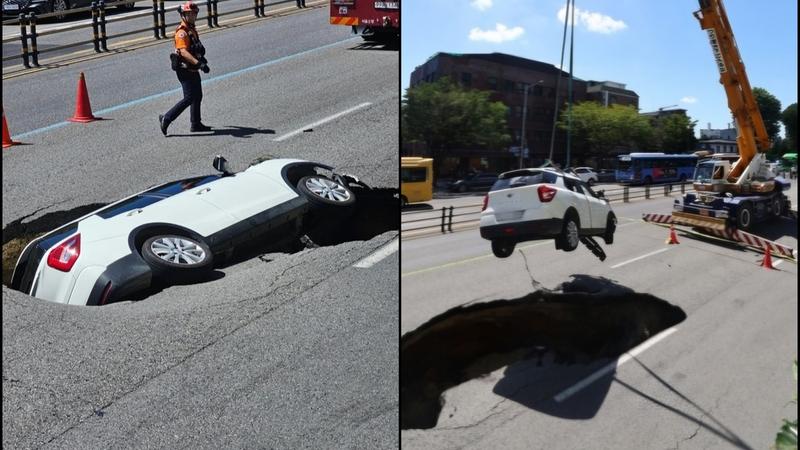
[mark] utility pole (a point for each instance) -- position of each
(524, 116)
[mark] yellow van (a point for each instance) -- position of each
(416, 179)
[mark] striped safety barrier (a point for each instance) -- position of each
(733, 235)
(349, 21)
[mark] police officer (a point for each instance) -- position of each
(188, 59)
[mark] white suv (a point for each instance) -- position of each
(532, 204)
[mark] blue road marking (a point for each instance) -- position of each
(173, 91)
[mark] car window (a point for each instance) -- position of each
(177, 187)
(520, 178)
(140, 201)
(588, 189)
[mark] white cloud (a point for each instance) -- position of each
(593, 21)
(481, 5)
(501, 33)
(688, 99)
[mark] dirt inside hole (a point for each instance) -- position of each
(584, 320)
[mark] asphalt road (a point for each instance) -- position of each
(281, 351)
(722, 379)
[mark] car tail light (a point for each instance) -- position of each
(485, 202)
(64, 256)
(546, 193)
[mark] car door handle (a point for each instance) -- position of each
(203, 191)
(134, 212)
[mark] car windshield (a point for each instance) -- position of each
(520, 178)
(704, 171)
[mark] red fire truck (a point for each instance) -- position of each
(377, 21)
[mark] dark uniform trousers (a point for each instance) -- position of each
(192, 96)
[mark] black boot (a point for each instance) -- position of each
(164, 125)
(200, 127)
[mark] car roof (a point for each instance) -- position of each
(530, 171)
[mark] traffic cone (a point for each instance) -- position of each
(7, 142)
(767, 261)
(83, 110)
(673, 238)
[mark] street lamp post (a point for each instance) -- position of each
(524, 114)
(522, 146)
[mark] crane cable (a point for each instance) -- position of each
(569, 6)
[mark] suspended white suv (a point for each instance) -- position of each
(175, 231)
(544, 203)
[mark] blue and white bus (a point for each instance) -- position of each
(648, 168)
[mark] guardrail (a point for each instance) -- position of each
(99, 38)
(469, 215)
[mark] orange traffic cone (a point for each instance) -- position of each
(673, 238)
(767, 261)
(83, 110)
(7, 142)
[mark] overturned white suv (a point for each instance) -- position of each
(544, 203)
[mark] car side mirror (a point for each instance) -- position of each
(221, 165)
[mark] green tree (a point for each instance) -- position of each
(598, 129)
(770, 108)
(443, 116)
(674, 133)
(789, 119)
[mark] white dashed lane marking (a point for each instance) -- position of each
(380, 254)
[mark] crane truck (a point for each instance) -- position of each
(733, 196)
(376, 21)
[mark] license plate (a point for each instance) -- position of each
(12, 6)
(512, 215)
(387, 5)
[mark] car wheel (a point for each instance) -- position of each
(611, 227)
(570, 233)
(322, 191)
(503, 248)
(127, 6)
(462, 188)
(592, 181)
(744, 217)
(777, 206)
(59, 6)
(176, 257)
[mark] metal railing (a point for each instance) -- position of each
(99, 23)
(468, 216)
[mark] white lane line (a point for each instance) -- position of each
(640, 257)
(569, 392)
(381, 253)
(320, 122)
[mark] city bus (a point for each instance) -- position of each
(648, 168)
(416, 179)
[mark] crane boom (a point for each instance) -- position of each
(752, 135)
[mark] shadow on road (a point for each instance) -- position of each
(394, 45)
(239, 132)
(418, 207)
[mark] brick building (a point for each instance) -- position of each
(506, 76)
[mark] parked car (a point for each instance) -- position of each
(533, 204)
(475, 181)
(13, 8)
(586, 174)
(178, 230)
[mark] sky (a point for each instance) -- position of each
(655, 47)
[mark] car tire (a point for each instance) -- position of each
(324, 192)
(192, 260)
(59, 6)
(744, 216)
(569, 237)
(611, 227)
(592, 181)
(462, 188)
(503, 248)
(127, 6)
(777, 206)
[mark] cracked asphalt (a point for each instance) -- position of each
(279, 351)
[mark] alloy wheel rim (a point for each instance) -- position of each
(327, 189)
(572, 233)
(178, 250)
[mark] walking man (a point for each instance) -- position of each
(187, 60)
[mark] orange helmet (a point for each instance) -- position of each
(189, 6)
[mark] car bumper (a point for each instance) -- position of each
(523, 231)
